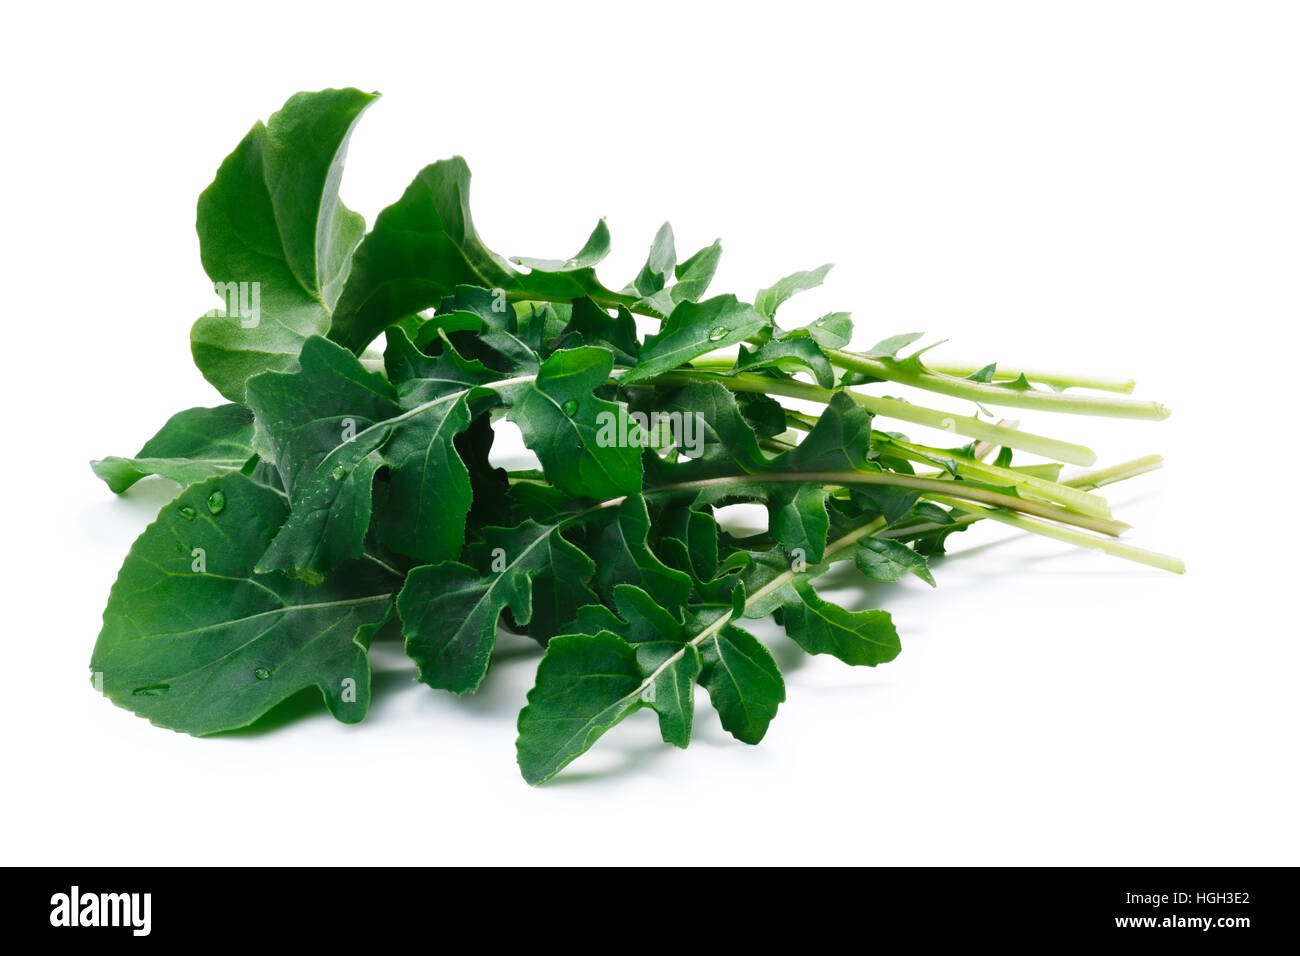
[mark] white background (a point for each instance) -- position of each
(1103, 187)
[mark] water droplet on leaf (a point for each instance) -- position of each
(718, 332)
(217, 501)
(261, 673)
(152, 690)
(570, 407)
(187, 512)
(338, 472)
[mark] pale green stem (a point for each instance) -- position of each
(989, 394)
(1117, 548)
(1106, 476)
(1007, 373)
(928, 485)
(718, 361)
(894, 408)
(1070, 497)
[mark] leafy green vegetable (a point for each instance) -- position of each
(272, 221)
(195, 640)
(344, 498)
(194, 444)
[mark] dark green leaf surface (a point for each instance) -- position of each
(193, 445)
(272, 216)
(195, 641)
(561, 420)
(883, 559)
(855, 637)
(743, 681)
(585, 684)
(693, 329)
(450, 611)
(768, 300)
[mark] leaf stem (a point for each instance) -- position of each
(1119, 549)
(990, 394)
(930, 486)
(1009, 373)
(895, 408)
(1062, 494)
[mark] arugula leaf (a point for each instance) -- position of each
(331, 425)
(831, 331)
(693, 329)
(585, 684)
(193, 445)
(768, 300)
(882, 559)
(693, 277)
(569, 428)
(855, 637)
(450, 611)
(622, 553)
(663, 256)
(798, 353)
(425, 245)
(271, 224)
(347, 494)
(195, 641)
(743, 681)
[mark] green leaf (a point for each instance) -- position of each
(195, 641)
(591, 325)
(425, 245)
(609, 667)
(271, 225)
(694, 329)
(883, 559)
(659, 264)
(831, 331)
(820, 627)
(890, 347)
(770, 299)
(586, 683)
(450, 611)
(595, 249)
(421, 248)
(786, 354)
(743, 681)
(798, 519)
(574, 433)
(331, 425)
(693, 278)
(419, 377)
(695, 274)
(193, 445)
(622, 554)
(671, 670)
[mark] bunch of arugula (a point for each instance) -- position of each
(344, 494)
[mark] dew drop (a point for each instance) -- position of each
(217, 501)
(152, 690)
(718, 333)
(261, 673)
(187, 512)
(338, 472)
(570, 407)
